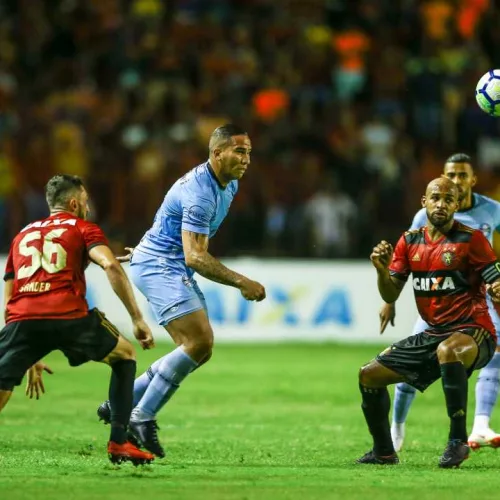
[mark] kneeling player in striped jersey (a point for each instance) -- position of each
(478, 212)
(450, 264)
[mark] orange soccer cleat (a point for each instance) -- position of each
(127, 452)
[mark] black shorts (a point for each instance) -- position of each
(23, 343)
(415, 357)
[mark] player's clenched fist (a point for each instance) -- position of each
(381, 255)
(252, 290)
(143, 334)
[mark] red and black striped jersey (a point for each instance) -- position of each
(47, 262)
(448, 275)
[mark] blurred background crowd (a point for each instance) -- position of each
(351, 105)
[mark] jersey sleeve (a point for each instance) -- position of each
(198, 210)
(93, 235)
(9, 267)
(419, 220)
(400, 267)
(482, 258)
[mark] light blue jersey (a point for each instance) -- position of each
(198, 203)
(484, 215)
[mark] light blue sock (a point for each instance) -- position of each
(141, 383)
(404, 395)
(487, 387)
(171, 371)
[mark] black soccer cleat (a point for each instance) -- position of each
(146, 433)
(372, 459)
(455, 453)
(104, 414)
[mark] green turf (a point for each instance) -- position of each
(258, 422)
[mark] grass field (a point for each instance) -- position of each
(258, 422)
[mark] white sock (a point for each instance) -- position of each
(481, 424)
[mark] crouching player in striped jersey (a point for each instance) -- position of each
(46, 309)
(478, 212)
(450, 264)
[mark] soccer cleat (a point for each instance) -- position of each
(398, 435)
(146, 433)
(371, 458)
(455, 453)
(127, 452)
(487, 437)
(104, 414)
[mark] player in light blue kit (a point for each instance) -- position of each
(162, 266)
(478, 212)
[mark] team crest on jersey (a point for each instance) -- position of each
(448, 258)
(486, 229)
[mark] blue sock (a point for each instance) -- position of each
(141, 383)
(403, 398)
(172, 369)
(487, 387)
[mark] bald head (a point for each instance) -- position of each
(442, 184)
(441, 202)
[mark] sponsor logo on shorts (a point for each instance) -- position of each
(187, 280)
(173, 309)
(433, 284)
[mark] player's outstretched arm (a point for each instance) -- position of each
(195, 247)
(103, 256)
(389, 287)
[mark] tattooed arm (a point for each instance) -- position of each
(197, 257)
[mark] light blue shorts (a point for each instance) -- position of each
(171, 293)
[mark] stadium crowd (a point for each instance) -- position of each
(351, 106)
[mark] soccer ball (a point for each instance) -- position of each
(488, 92)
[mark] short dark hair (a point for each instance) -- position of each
(60, 188)
(459, 158)
(221, 136)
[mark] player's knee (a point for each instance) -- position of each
(446, 352)
(201, 345)
(124, 350)
(365, 375)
